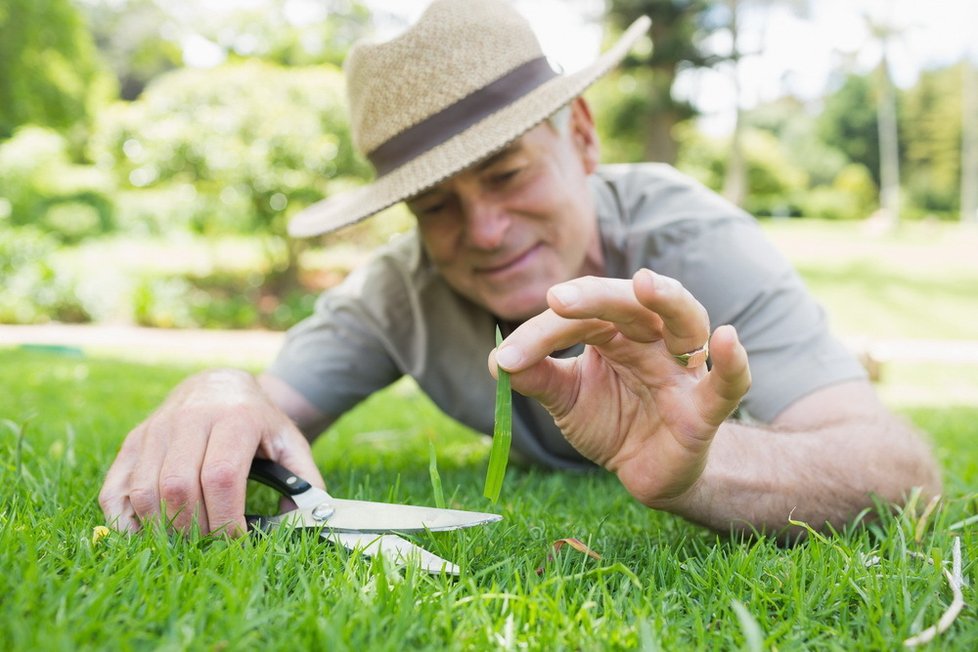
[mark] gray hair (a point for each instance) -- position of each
(560, 119)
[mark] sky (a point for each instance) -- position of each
(795, 55)
(791, 54)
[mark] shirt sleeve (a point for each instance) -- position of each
(363, 335)
(332, 357)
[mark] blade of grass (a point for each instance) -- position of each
(502, 432)
(435, 477)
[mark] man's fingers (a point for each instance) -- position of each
(224, 476)
(179, 482)
(114, 495)
(143, 483)
(296, 456)
(719, 392)
(608, 299)
(540, 336)
(686, 324)
(547, 380)
(647, 308)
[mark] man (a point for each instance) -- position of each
(620, 272)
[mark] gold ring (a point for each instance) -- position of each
(694, 358)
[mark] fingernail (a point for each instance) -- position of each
(508, 357)
(566, 294)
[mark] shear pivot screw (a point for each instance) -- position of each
(322, 512)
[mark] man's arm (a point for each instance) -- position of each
(663, 428)
(192, 455)
(309, 419)
(820, 462)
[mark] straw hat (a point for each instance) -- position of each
(466, 80)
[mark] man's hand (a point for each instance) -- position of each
(626, 403)
(193, 454)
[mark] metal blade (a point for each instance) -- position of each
(394, 548)
(366, 516)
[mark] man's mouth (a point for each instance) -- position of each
(508, 265)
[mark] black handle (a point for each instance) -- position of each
(258, 523)
(277, 477)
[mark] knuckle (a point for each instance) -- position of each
(143, 501)
(703, 315)
(106, 499)
(219, 476)
(177, 490)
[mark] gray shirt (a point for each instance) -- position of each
(397, 316)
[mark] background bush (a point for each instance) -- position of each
(32, 289)
(40, 186)
(254, 141)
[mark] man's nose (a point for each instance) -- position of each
(485, 224)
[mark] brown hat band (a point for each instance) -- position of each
(456, 118)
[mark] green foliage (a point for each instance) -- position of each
(255, 141)
(647, 111)
(930, 129)
(50, 73)
(773, 180)
(848, 123)
(40, 186)
(797, 132)
(218, 300)
(136, 40)
(779, 185)
(32, 289)
(267, 31)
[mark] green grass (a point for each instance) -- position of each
(662, 583)
(918, 281)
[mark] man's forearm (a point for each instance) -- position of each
(307, 417)
(757, 478)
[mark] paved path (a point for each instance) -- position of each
(152, 344)
(259, 347)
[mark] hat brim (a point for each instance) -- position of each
(462, 151)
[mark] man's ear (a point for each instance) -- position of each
(584, 134)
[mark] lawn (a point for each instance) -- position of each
(661, 583)
(917, 281)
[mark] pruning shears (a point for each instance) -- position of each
(359, 525)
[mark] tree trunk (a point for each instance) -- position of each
(660, 144)
(889, 152)
(969, 143)
(735, 179)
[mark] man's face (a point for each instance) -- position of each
(504, 231)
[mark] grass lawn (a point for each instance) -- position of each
(661, 583)
(917, 281)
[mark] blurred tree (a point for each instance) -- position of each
(883, 31)
(930, 129)
(136, 39)
(49, 71)
(292, 32)
(969, 142)
(735, 184)
(41, 187)
(648, 110)
(255, 141)
(141, 39)
(848, 123)
(796, 128)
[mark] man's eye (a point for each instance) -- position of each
(433, 209)
(503, 177)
